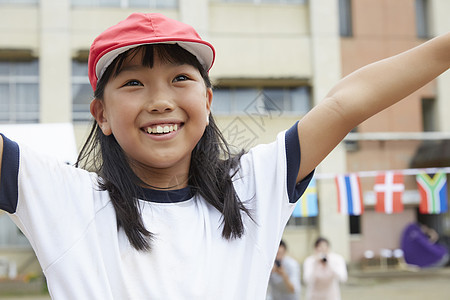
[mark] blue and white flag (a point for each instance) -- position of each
(350, 200)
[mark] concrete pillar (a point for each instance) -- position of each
(55, 61)
(326, 65)
(195, 13)
(440, 24)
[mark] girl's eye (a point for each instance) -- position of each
(133, 83)
(180, 78)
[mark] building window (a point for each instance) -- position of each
(428, 114)
(268, 1)
(82, 93)
(127, 3)
(19, 91)
(10, 235)
(274, 101)
(345, 18)
(302, 221)
(422, 19)
(355, 224)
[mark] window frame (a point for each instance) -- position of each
(260, 98)
(12, 81)
(422, 8)
(80, 109)
(345, 18)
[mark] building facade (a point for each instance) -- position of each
(275, 60)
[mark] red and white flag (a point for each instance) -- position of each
(389, 188)
(350, 200)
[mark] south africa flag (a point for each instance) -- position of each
(433, 193)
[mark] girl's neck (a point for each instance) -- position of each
(164, 187)
(173, 178)
(161, 181)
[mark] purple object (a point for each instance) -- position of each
(419, 251)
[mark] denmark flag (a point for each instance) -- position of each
(389, 188)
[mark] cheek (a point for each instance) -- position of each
(198, 98)
(122, 112)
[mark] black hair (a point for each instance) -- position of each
(210, 172)
(283, 244)
(320, 240)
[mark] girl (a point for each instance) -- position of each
(163, 209)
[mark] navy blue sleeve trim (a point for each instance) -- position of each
(9, 194)
(293, 165)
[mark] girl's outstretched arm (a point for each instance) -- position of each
(366, 92)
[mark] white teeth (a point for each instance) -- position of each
(162, 129)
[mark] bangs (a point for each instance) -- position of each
(167, 53)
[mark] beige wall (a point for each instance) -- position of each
(441, 24)
(300, 242)
(260, 41)
(15, 33)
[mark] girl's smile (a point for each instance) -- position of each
(163, 131)
(157, 115)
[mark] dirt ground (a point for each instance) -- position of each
(421, 285)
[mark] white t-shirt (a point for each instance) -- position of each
(71, 226)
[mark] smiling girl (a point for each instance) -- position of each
(161, 209)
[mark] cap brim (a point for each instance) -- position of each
(202, 51)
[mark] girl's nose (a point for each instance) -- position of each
(161, 106)
(160, 101)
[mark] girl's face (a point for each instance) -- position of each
(157, 115)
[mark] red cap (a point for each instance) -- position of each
(141, 29)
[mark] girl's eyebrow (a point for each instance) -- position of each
(139, 67)
(130, 68)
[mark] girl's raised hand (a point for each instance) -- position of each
(366, 92)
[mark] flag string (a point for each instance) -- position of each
(414, 171)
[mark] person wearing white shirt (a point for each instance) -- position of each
(323, 272)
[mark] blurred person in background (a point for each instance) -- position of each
(323, 272)
(284, 282)
(421, 247)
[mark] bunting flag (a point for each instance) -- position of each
(307, 205)
(433, 193)
(350, 200)
(389, 188)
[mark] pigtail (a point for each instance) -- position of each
(211, 176)
(124, 188)
(103, 155)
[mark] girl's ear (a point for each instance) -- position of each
(209, 97)
(98, 112)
